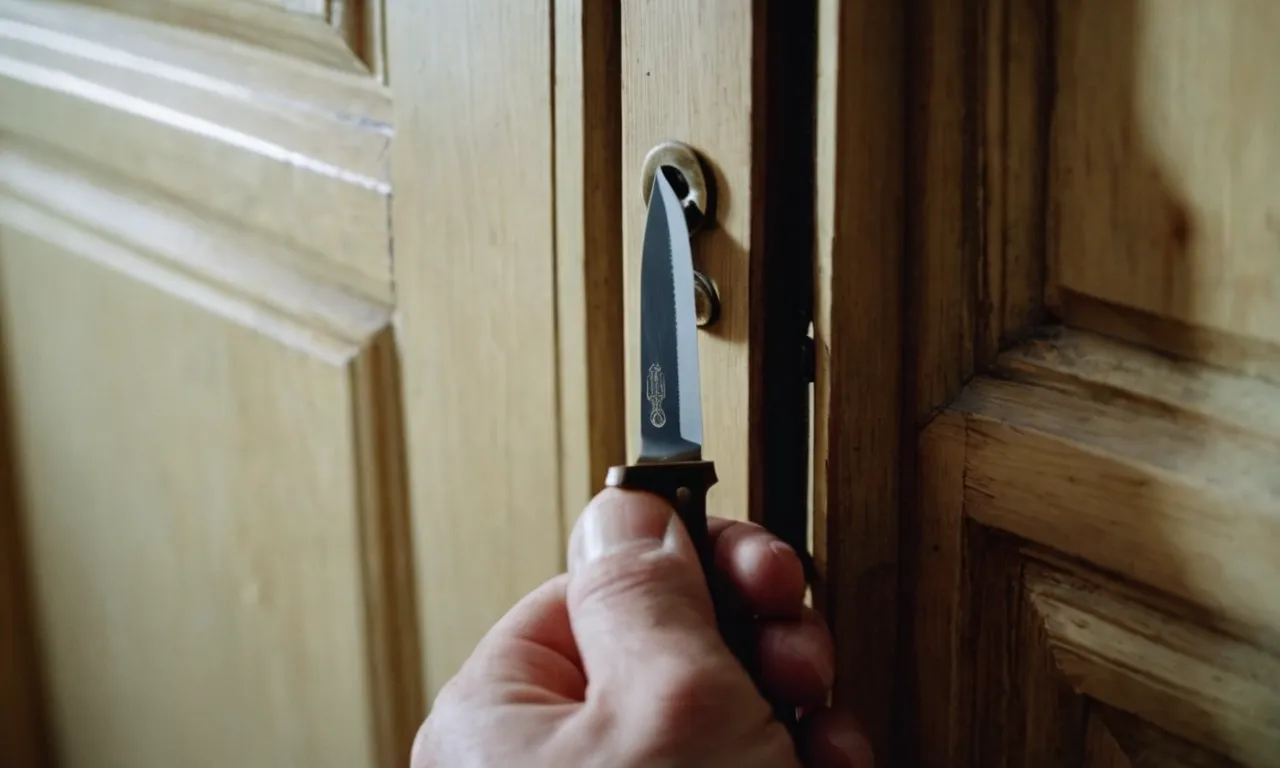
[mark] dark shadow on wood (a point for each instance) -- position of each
(24, 731)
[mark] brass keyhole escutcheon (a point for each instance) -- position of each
(706, 300)
(690, 180)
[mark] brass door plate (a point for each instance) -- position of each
(688, 177)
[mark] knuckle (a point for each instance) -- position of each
(689, 700)
(426, 747)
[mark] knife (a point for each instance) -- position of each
(670, 463)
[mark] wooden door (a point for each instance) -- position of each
(1092, 540)
(279, 443)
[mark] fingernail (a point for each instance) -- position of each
(781, 547)
(612, 524)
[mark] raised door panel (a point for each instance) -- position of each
(1095, 520)
(203, 396)
(191, 490)
(1163, 167)
(1166, 499)
(300, 155)
(346, 35)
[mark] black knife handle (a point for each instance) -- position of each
(684, 485)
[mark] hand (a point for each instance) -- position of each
(619, 662)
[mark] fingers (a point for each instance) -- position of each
(637, 598)
(795, 654)
(540, 617)
(767, 575)
(531, 648)
(831, 739)
(796, 660)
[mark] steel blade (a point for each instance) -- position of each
(670, 391)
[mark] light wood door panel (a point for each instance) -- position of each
(345, 35)
(209, 471)
(194, 174)
(476, 289)
(194, 514)
(203, 390)
(286, 149)
(1043, 498)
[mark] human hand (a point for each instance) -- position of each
(619, 662)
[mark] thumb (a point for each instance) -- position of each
(637, 598)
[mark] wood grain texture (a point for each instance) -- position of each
(345, 35)
(398, 701)
(1110, 162)
(1024, 713)
(1101, 750)
(1155, 469)
(858, 284)
(1204, 686)
(475, 282)
(1146, 746)
(977, 129)
(273, 77)
(163, 115)
(1164, 160)
(941, 202)
(934, 725)
(588, 247)
(1184, 501)
(1238, 353)
(1015, 93)
(1085, 362)
(203, 546)
(687, 76)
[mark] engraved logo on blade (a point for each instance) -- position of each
(655, 391)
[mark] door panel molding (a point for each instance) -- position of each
(1150, 473)
(1207, 687)
(346, 35)
(179, 117)
(980, 90)
(858, 338)
(251, 548)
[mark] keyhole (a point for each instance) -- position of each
(680, 185)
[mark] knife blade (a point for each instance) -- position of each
(670, 463)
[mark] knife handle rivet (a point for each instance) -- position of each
(688, 177)
(706, 300)
(683, 495)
